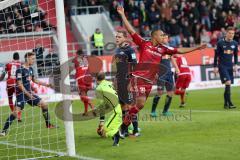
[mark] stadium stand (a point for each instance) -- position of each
(182, 19)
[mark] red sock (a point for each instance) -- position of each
(85, 107)
(19, 115)
(182, 95)
(86, 102)
(128, 117)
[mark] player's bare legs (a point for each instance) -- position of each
(86, 101)
(182, 93)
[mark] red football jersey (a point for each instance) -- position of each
(11, 69)
(81, 66)
(182, 65)
(151, 55)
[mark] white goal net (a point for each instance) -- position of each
(30, 26)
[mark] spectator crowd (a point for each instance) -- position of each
(23, 17)
(186, 21)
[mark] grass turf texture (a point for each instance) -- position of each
(206, 132)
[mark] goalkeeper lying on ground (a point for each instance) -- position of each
(108, 100)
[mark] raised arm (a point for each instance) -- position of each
(128, 26)
(187, 50)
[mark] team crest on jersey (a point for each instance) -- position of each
(121, 53)
(19, 75)
(232, 46)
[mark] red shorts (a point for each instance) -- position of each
(83, 86)
(11, 90)
(183, 81)
(140, 87)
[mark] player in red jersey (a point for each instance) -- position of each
(10, 70)
(183, 77)
(146, 70)
(83, 78)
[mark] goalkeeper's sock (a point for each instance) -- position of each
(155, 103)
(46, 117)
(8, 123)
(167, 103)
(116, 139)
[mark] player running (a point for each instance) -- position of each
(148, 66)
(24, 93)
(227, 48)
(165, 81)
(84, 80)
(109, 100)
(10, 70)
(183, 77)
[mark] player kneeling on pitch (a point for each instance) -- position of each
(108, 100)
(24, 93)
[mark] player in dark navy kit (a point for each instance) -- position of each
(24, 93)
(226, 49)
(164, 81)
(125, 60)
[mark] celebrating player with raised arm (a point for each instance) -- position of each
(227, 48)
(10, 70)
(24, 93)
(148, 67)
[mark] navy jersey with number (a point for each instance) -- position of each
(25, 75)
(224, 53)
(125, 58)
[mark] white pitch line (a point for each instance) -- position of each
(207, 111)
(58, 154)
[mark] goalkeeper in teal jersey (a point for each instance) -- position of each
(108, 100)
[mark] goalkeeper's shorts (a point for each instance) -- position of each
(114, 122)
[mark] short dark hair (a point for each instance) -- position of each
(123, 32)
(28, 54)
(100, 76)
(230, 28)
(80, 52)
(16, 56)
(154, 32)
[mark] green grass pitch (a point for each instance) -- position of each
(202, 130)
